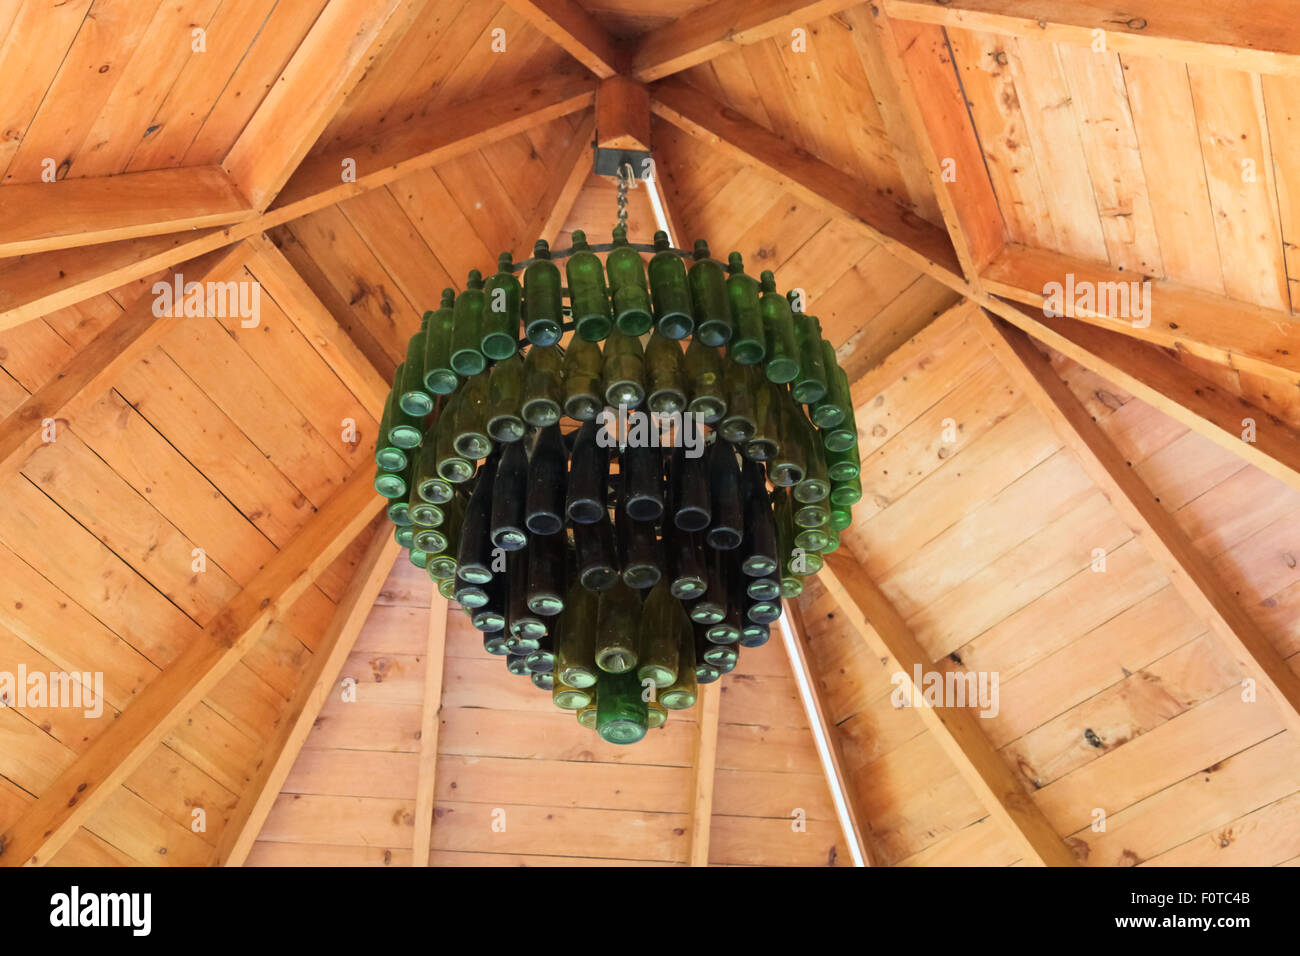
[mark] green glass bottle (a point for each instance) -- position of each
(415, 398)
(388, 457)
(569, 698)
(472, 439)
(810, 386)
(447, 587)
(709, 299)
(516, 665)
(782, 356)
(741, 420)
(621, 714)
(505, 402)
(832, 540)
(627, 285)
(840, 518)
(543, 298)
(423, 513)
(617, 617)
(429, 485)
(704, 382)
(418, 556)
(711, 606)
(439, 377)
(399, 513)
(845, 494)
(587, 716)
(790, 463)
(657, 648)
(665, 375)
(831, 411)
(575, 649)
(748, 341)
(543, 680)
(656, 715)
(403, 536)
(451, 465)
(547, 563)
(682, 693)
(754, 635)
(843, 465)
(669, 291)
(390, 485)
(588, 296)
(765, 443)
(467, 327)
(842, 436)
(543, 385)
(405, 430)
(705, 673)
(623, 370)
(815, 484)
(503, 296)
(583, 398)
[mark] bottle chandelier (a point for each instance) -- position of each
(620, 515)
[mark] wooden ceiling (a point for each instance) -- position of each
(202, 532)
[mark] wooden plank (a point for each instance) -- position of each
(623, 114)
(94, 368)
(38, 217)
(165, 700)
(1165, 383)
(871, 209)
(870, 614)
(828, 743)
(574, 168)
(283, 283)
(706, 755)
(1262, 37)
(580, 34)
(1259, 340)
(426, 775)
(1168, 544)
(314, 685)
(316, 185)
(720, 27)
(330, 61)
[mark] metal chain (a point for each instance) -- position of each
(626, 180)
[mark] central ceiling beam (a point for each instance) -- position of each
(426, 776)
(706, 756)
(577, 32)
(1262, 36)
(1165, 540)
(903, 233)
(955, 729)
(721, 27)
(70, 800)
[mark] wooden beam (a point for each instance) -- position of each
(310, 317)
(720, 27)
(927, 88)
(314, 687)
(1223, 330)
(71, 799)
(577, 32)
(823, 730)
(93, 370)
(1262, 36)
(706, 755)
(910, 238)
(955, 729)
(623, 114)
(1163, 382)
(427, 773)
(317, 184)
(327, 65)
(661, 198)
(1165, 539)
(38, 217)
(574, 169)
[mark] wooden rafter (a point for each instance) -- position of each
(622, 114)
(897, 228)
(1259, 340)
(314, 686)
(823, 728)
(39, 217)
(722, 26)
(316, 185)
(79, 790)
(1166, 541)
(706, 754)
(427, 772)
(311, 318)
(1259, 37)
(955, 729)
(330, 61)
(562, 191)
(577, 32)
(1165, 383)
(93, 370)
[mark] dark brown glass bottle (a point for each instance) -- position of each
(643, 475)
(741, 421)
(640, 554)
(711, 606)
(685, 563)
(504, 416)
(727, 527)
(472, 440)
(759, 550)
(597, 563)
(692, 505)
(588, 477)
(509, 496)
(543, 386)
(682, 693)
(623, 371)
(547, 562)
(474, 558)
(544, 505)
